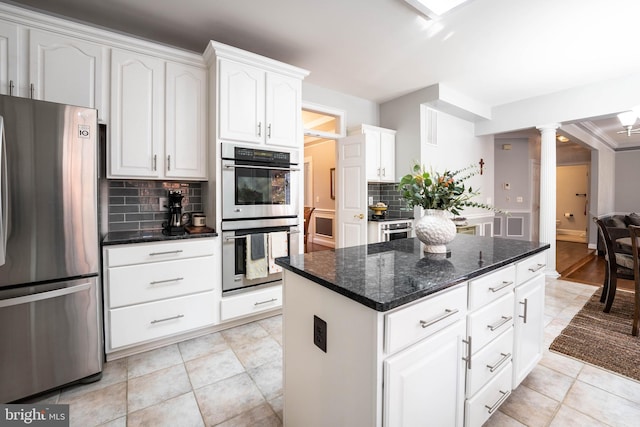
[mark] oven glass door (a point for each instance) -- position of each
(258, 190)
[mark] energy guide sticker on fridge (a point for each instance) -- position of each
(84, 131)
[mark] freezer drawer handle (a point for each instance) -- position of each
(45, 295)
(179, 316)
(502, 286)
(157, 282)
(166, 252)
(502, 321)
(495, 406)
(447, 312)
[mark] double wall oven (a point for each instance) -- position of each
(260, 195)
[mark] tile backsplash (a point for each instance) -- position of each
(389, 194)
(135, 204)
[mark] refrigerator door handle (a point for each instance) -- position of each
(4, 190)
(45, 295)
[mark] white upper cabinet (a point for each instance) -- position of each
(259, 106)
(158, 118)
(380, 152)
(8, 54)
(137, 107)
(259, 100)
(65, 70)
(186, 114)
(242, 102)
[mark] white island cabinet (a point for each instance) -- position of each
(359, 350)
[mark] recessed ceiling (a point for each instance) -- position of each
(493, 51)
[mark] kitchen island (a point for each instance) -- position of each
(448, 336)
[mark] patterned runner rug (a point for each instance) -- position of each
(603, 339)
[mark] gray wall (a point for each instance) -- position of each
(512, 166)
(627, 178)
(357, 110)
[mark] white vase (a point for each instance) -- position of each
(435, 229)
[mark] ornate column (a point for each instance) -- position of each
(548, 193)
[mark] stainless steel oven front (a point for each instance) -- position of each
(396, 230)
(259, 183)
(234, 250)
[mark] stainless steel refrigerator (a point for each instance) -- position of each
(50, 315)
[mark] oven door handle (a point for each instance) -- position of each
(262, 167)
(244, 236)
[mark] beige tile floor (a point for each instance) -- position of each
(234, 378)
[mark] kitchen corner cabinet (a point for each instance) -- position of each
(258, 100)
(158, 126)
(157, 290)
(380, 152)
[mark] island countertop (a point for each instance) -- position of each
(386, 275)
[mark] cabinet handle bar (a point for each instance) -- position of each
(495, 406)
(526, 304)
(501, 286)
(447, 312)
(166, 252)
(499, 363)
(179, 316)
(157, 282)
(537, 267)
(266, 302)
(502, 321)
(469, 351)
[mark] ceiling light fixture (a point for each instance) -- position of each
(434, 9)
(562, 138)
(628, 119)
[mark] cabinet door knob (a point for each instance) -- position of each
(11, 87)
(155, 161)
(169, 162)
(259, 128)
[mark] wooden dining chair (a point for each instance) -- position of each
(634, 231)
(618, 264)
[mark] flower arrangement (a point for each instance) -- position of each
(442, 191)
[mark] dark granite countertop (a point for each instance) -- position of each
(123, 237)
(387, 275)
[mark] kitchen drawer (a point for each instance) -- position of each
(139, 253)
(530, 267)
(253, 302)
(491, 287)
(143, 322)
(480, 407)
(411, 324)
(490, 321)
(489, 361)
(136, 284)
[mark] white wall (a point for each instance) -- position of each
(357, 110)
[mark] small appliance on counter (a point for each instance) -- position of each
(176, 223)
(379, 211)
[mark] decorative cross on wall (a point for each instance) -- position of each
(481, 165)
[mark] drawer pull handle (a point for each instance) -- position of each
(166, 252)
(526, 304)
(502, 286)
(179, 316)
(157, 282)
(468, 358)
(502, 321)
(495, 406)
(537, 267)
(499, 363)
(447, 312)
(266, 302)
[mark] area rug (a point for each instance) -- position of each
(603, 339)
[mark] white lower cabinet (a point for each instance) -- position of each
(424, 384)
(156, 290)
(529, 328)
(486, 402)
(248, 303)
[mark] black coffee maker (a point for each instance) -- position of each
(175, 226)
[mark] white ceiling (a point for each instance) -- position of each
(494, 51)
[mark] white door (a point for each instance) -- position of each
(528, 328)
(137, 115)
(351, 191)
(242, 102)
(424, 385)
(65, 70)
(186, 107)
